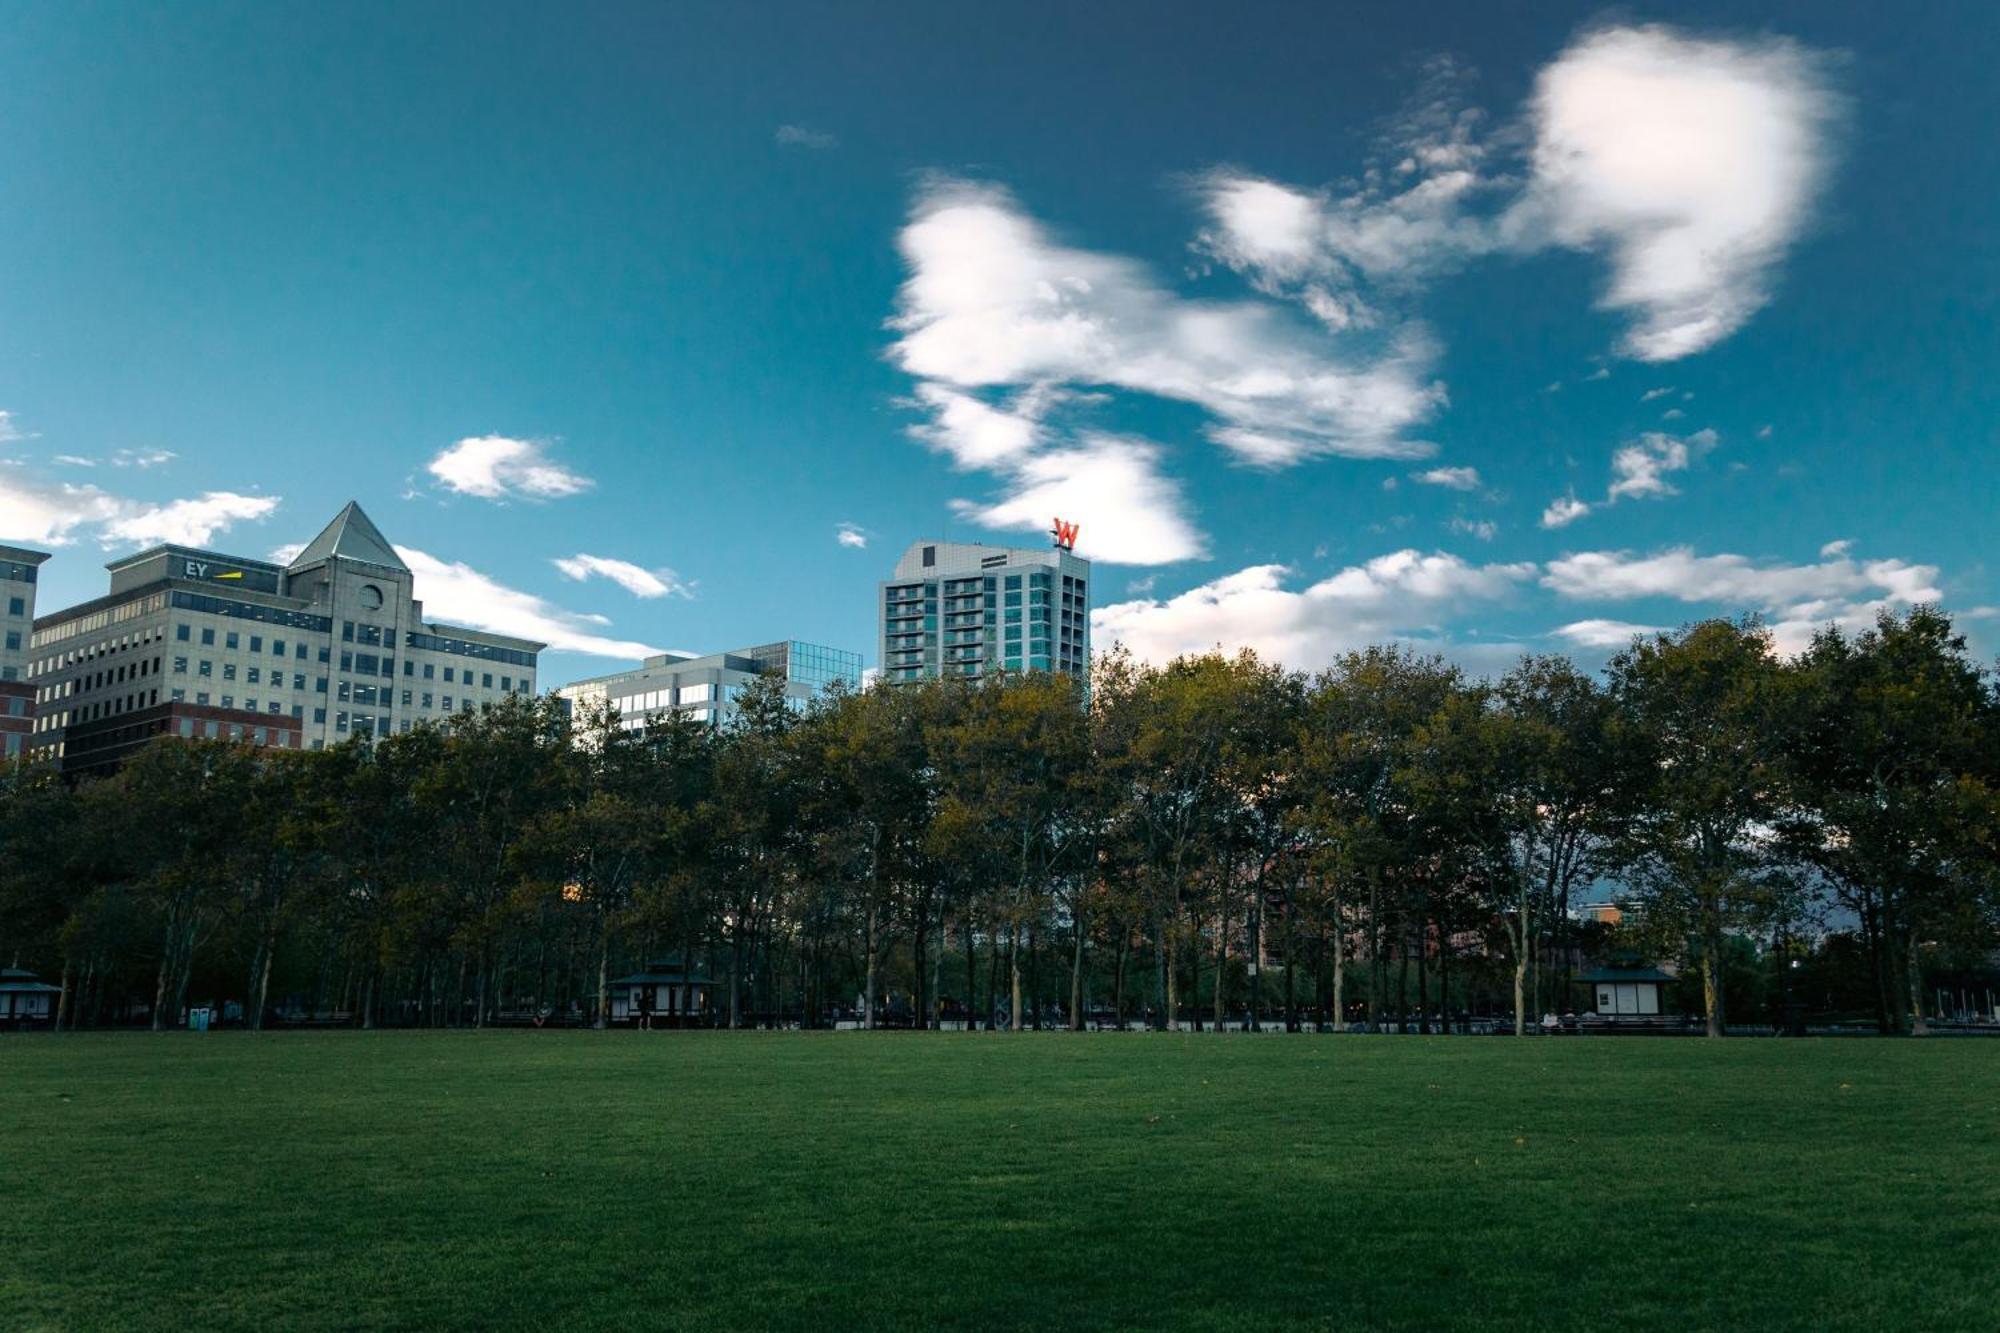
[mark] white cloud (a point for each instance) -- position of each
(55, 514)
(1651, 394)
(1832, 549)
(976, 434)
(1347, 256)
(495, 467)
(635, 579)
(1639, 469)
(1564, 510)
(1399, 595)
(1604, 633)
(192, 522)
(459, 594)
(1763, 432)
(143, 458)
(1452, 478)
(1691, 163)
(993, 302)
(1485, 529)
(1601, 373)
(10, 433)
(1796, 598)
(73, 460)
(851, 535)
(1129, 512)
(802, 136)
(1672, 414)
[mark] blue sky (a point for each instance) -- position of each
(1489, 328)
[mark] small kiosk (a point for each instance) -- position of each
(1627, 993)
(26, 1001)
(665, 995)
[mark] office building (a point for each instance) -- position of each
(971, 610)
(305, 654)
(19, 570)
(706, 688)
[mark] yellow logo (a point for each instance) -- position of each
(231, 574)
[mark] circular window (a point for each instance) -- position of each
(371, 597)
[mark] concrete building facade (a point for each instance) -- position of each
(706, 688)
(196, 643)
(970, 610)
(20, 570)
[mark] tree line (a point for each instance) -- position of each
(1388, 840)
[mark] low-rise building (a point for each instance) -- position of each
(330, 644)
(20, 570)
(706, 688)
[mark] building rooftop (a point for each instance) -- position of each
(351, 536)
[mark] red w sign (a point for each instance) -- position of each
(1065, 535)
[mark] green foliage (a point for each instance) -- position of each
(1194, 842)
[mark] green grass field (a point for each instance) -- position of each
(823, 1181)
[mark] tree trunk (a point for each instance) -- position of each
(868, 991)
(1339, 972)
(1118, 978)
(1711, 978)
(1076, 973)
(1014, 976)
(1919, 1025)
(260, 984)
(1377, 965)
(971, 976)
(603, 1019)
(163, 984)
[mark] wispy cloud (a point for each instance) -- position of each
(1563, 511)
(1402, 595)
(1639, 471)
(1798, 598)
(803, 136)
(1691, 164)
(1601, 633)
(497, 467)
(635, 579)
(457, 593)
(851, 535)
(1451, 478)
(57, 513)
(993, 302)
(143, 458)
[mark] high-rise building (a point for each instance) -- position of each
(969, 610)
(706, 688)
(19, 568)
(304, 654)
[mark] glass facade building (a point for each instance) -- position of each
(706, 688)
(969, 610)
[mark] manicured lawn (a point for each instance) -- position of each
(823, 1181)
